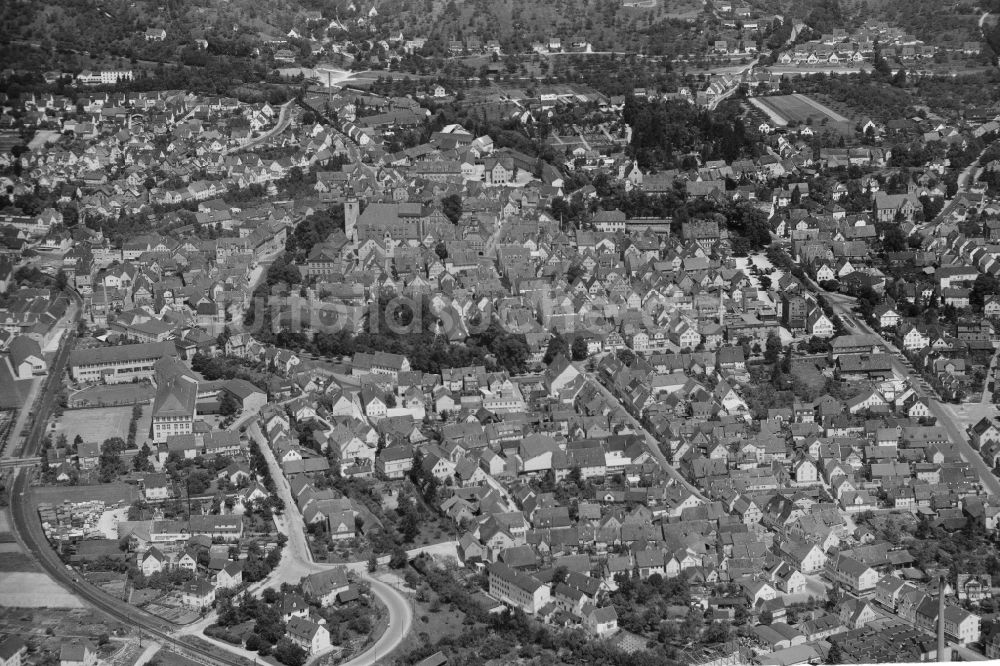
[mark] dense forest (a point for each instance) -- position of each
(664, 132)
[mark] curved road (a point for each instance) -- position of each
(400, 621)
(296, 562)
(28, 531)
(284, 117)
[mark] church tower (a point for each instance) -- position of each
(351, 211)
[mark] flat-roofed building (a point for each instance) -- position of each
(119, 364)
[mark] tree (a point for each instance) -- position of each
(398, 558)
(289, 653)
(141, 462)
(451, 206)
(579, 349)
(46, 469)
(984, 286)
(282, 271)
(372, 563)
(833, 597)
(574, 272)
(557, 347)
(691, 627)
(772, 348)
(110, 463)
(228, 405)
(894, 240)
(441, 250)
(197, 482)
(626, 356)
(409, 526)
(255, 642)
(835, 655)
(61, 280)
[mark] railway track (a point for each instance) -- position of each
(27, 529)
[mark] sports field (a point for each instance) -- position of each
(97, 425)
(112, 396)
(799, 109)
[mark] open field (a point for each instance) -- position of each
(170, 658)
(34, 590)
(7, 417)
(64, 623)
(109, 493)
(97, 425)
(120, 394)
(13, 560)
(681, 9)
(12, 391)
(798, 109)
(825, 110)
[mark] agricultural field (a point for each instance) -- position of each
(800, 109)
(24, 589)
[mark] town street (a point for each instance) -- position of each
(654, 445)
(284, 118)
(901, 367)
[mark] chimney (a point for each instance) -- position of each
(940, 623)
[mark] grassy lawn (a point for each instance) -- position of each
(113, 395)
(12, 391)
(170, 658)
(16, 561)
(95, 425)
(201, 643)
(430, 627)
(809, 375)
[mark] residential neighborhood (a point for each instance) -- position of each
(374, 335)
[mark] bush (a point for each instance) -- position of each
(223, 634)
(289, 653)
